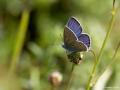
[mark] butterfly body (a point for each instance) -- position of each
(74, 39)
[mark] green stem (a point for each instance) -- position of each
(70, 78)
(19, 40)
(53, 87)
(102, 48)
(91, 74)
(110, 64)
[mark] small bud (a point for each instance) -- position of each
(55, 78)
(75, 57)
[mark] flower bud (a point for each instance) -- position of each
(75, 57)
(55, 78)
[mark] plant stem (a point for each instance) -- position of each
(53, 87)
(19, 40)
(70, 78)
(91, 74)
(110, 64)
(102, 48)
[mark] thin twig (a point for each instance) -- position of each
(110, 64)
(70, 77)
(53, 87)
(91, 74)
(103, 46)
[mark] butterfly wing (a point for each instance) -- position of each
(69, 39)
(85, 39)
(71, 43)
(75, 26)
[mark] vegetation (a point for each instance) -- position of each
(31, 38)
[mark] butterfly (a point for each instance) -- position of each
(74, 39)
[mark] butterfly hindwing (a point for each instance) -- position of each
(85, 39)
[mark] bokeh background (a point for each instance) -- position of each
(42, 51)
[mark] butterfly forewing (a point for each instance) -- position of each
(69, 37)
(74, 25)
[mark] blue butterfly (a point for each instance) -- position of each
(74, 39)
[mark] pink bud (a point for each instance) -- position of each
(55, 78)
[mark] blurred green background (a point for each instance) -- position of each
(42, 51)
